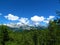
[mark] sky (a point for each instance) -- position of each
(28, 12)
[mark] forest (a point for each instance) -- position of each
(48, 36)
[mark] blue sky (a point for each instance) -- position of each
(27, 9)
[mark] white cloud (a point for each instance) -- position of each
(50, 17)
(37, 18)
(19, 23)
(37, 23)
(11, 17)
(46, 21)
(24, 21)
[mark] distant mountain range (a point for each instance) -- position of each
(25, 27)
(21, 28)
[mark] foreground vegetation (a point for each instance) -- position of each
(48, 36)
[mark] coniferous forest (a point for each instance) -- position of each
(47, 36)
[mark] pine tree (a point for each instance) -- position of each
(4, 34)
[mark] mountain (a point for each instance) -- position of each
(15, 27)
(22, 28)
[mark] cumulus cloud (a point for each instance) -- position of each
(37, 23)
(24, 21)
(11, 17)
(50, 17)
(37, 18)
(46, 21)
(20, 24)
